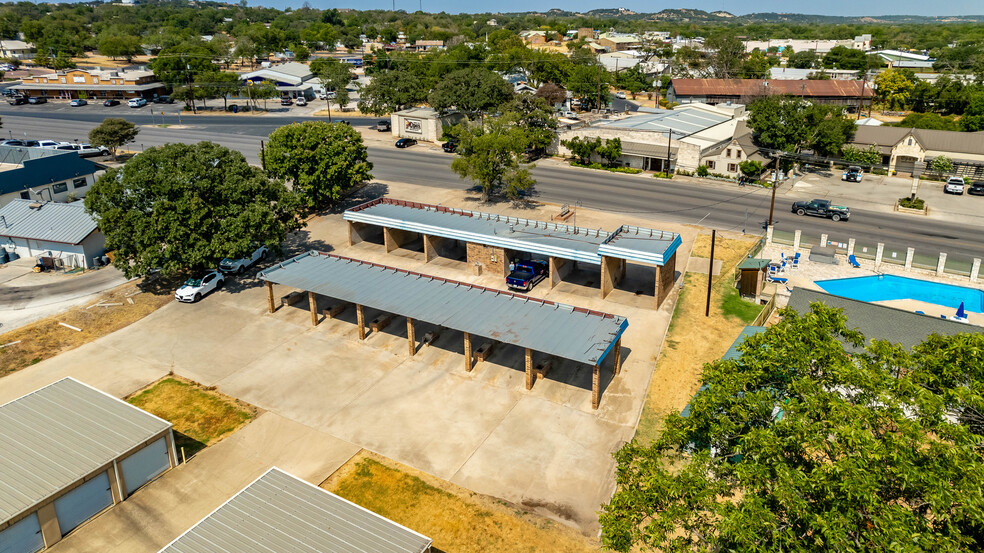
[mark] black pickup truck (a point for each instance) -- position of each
(822, 208)
(526, 274)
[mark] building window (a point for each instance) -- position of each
(60, 187)
(710, 164)
(727, 153)
(910, 142)
(738, 154)
(79, 183)
(732, 167)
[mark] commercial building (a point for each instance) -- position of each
(850, 94)
(44, 174)
(93, 84)
(69, 452)
(64, 233)
(422, 123)
(280, 513)
(911, 150)
(905, 60)
(615, 42)
(292, 79)
(16, 50)
(860, 42)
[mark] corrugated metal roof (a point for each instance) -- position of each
(51, 222)
(280, 513)
(527, 235)
(55, 436)
(682, 121)
(758, 87)
(574, 333)
(641, 244)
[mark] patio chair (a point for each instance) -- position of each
(778, 280)
(795, 261)
(853, 261)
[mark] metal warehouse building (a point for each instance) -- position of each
(64, 232)
(67, 452)
(280, 513)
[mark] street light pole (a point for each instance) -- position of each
(775, 184)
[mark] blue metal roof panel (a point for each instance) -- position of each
(40, 167)
(566, 331)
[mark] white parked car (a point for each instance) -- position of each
(620, 95)
(568, 115)
(194, 288)
(77, 102)
(85, 150)
(954, 185)
(136, 102)
(301, 101)
(52, 144)
(239, 265)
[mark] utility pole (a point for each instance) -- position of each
(599, 88)
(775, 184)
(669, 141)
(710, 274)
(191, 90)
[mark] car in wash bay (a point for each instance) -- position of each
(197, 287)
(526, 274)
(237, 266)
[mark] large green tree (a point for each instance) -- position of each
(390, 91)
(334, 76)
(471, 91)
(113, 133)
(321, 160)
(187, 206)
(893, 87)
(491, 155)
(793, 124)
(803, 445)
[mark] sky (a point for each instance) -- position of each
(827, 7)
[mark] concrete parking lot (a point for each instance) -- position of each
(545, 449)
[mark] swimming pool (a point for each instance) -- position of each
(891, 287)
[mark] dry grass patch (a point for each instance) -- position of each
(458, 520)
(201, 416)
(46, 338)
(693, 339)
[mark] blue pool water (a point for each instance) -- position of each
(891, 287)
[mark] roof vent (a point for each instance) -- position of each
(35, 205)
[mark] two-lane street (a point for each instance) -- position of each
(715, 205)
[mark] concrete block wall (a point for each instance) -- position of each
(492, 259)
(665, 276)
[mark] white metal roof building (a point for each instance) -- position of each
(67, 452)
(280, 513)
(50, 229)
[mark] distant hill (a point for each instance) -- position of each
(699, 16)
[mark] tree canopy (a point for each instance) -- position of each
(471, 91)
(391, 91)
(321, 160)
(113, 133)
(793, 124)
(810, 441)
(491, 153)
(187, 206)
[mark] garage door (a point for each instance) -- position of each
(23, 536)
(80, 504)
(145, 464)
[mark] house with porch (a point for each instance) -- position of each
(912, 150)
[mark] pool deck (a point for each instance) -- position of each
(808, 272)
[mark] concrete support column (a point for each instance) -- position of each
(50, 531)
(353, 236)
(595, 387)
(554, 277)
(768, 234)
(609, 265)
(360, 315)
(618, 355)
(941, 264)
(665, 276)
(272, 307)
(430, 249)
(909, 253)
(313, 305)
(468, 353)
(823, 240)
(529, 369)
(622, 270)
(975, 270)
(850, 246)
(411, 339)
(796, 240)
(389, 240)
(879, 252)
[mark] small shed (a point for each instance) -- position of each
(751, 276)
(50, 229)
(423, 123)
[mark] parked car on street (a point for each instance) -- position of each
(136, 102)
(239, 265)
(822, 208)
(384, 125)
(301, 101)
(163, 100)
(976, 189)
(286, 102)
(51, 144)
(37, 100)
(84, 150)
(526, 274)
(111, 102)
(17, 100)
(405, 142)
(197, 287)
(450, 146)
(330, 95)
(954, 185)
(853, 174)
(13, 142)
(620, 95)
(568, 115)
(78, 102)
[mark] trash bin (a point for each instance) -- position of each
(235, 108)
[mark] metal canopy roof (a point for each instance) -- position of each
(55, 436)
(566, 331)
(527, 235)
(49, 222)
(640, 244)
(280, 513)
(682, 122)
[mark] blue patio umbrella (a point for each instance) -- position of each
(960, 312)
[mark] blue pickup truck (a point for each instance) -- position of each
(526, 274)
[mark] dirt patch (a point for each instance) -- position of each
(457, 519)
(694, 339)
(201, 416)
(47, 338)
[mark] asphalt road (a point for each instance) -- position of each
(720, 206)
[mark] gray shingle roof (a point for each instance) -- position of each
(574, 333)
(53, 437)
(881, 322)
(280, 513)
(930, 139)
(51, 222)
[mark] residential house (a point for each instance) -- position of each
(425, 45)
(292, 79)
(64, 232)
(93, 84)
(16, 50)
(725, 157)
(41, 174)
(912, 150)
(850, 94)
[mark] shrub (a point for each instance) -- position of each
(663, 175)
(702, 171)
(684, 172)
(912, 203)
